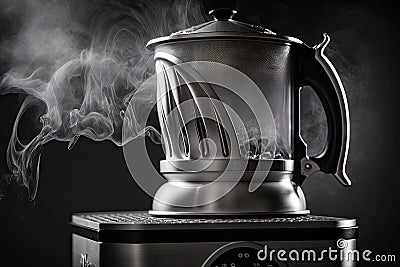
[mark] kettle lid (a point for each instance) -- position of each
(223, 26)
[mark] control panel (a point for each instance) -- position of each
(238, 255)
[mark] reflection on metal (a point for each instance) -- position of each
(84, 261)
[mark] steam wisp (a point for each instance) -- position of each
(85, 73)
(84, 61)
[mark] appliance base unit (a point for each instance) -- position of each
(122, 239)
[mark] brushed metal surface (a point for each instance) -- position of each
(85, 252)
(272, 197)
(187, 254)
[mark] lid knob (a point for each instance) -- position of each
(222, 13)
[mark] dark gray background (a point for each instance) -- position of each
(93, 176)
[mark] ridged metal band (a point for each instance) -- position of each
(222, 35)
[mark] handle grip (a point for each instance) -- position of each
(319, 73)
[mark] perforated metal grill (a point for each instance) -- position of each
(144, 218)
(143, 221)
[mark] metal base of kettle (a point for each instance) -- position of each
(194, 194)
(270, 199)
(188, 214)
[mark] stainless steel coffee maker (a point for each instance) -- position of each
(229, 114)
(228, 106)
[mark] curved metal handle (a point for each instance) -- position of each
(319, 73)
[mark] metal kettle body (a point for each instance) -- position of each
(239, 151)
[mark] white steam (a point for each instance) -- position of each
(83, 60)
